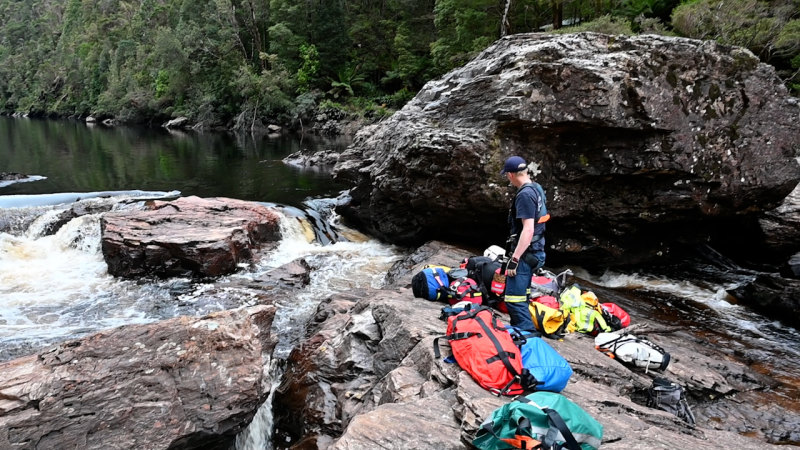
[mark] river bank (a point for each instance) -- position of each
(369, 360)
(318, 120)
(361, 353)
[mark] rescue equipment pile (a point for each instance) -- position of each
(508, 361)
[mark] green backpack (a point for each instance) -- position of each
(545, 420)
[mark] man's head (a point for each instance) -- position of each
(516, 170)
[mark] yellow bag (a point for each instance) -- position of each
(549, 321)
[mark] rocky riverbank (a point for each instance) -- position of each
(367, 377)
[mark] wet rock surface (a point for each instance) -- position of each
(323, 160)
(188, 236)
(181, 383)
(178, 123)
(645, 144)
(366, 377)
(281, 283)
(780, 226)
(792, 267)
(773, 295)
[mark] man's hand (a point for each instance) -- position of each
(511, 268)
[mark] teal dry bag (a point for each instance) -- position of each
(544, 419)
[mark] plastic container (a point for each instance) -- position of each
(498, 286)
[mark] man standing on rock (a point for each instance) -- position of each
(526, 219)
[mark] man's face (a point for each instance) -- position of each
(510, 177)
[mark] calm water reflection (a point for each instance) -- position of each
(76, 157)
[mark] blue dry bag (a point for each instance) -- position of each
(431, 283)
(551, 370)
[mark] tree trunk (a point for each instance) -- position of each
(558, 14)
(505, 27)
(256, 36)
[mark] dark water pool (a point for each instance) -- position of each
(76, 157)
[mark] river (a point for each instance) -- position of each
(56, 286)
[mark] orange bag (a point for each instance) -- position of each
(483, 347)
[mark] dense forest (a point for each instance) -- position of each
(235, 63)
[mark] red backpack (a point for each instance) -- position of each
(464, 289)
(618, 317)
(483, 347)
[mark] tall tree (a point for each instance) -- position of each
(464, 27)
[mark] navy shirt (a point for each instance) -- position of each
(527, 205)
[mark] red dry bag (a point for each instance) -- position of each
(619, 313)
(483, 347)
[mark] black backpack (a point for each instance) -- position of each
(668, 396)
(481, 269)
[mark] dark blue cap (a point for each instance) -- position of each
(513, 164)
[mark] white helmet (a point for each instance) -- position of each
(494, 252)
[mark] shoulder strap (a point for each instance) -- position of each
(502, 355)
(520, 337)
(519, 440)
(541, 207)
(558, 428)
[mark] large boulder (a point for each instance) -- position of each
(642, 142)
(367, 377)
(188, 236)
(182, 383)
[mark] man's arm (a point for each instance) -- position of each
(525, 238)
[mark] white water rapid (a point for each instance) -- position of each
(709, 301)
(56, 287)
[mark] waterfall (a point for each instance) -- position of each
(342, 266)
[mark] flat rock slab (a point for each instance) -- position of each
(182, 383)
(190, 236)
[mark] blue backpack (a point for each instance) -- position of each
(551, 370)
(431, 283)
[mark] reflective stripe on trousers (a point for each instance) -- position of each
(518, 298)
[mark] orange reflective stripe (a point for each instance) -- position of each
(544, 218)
